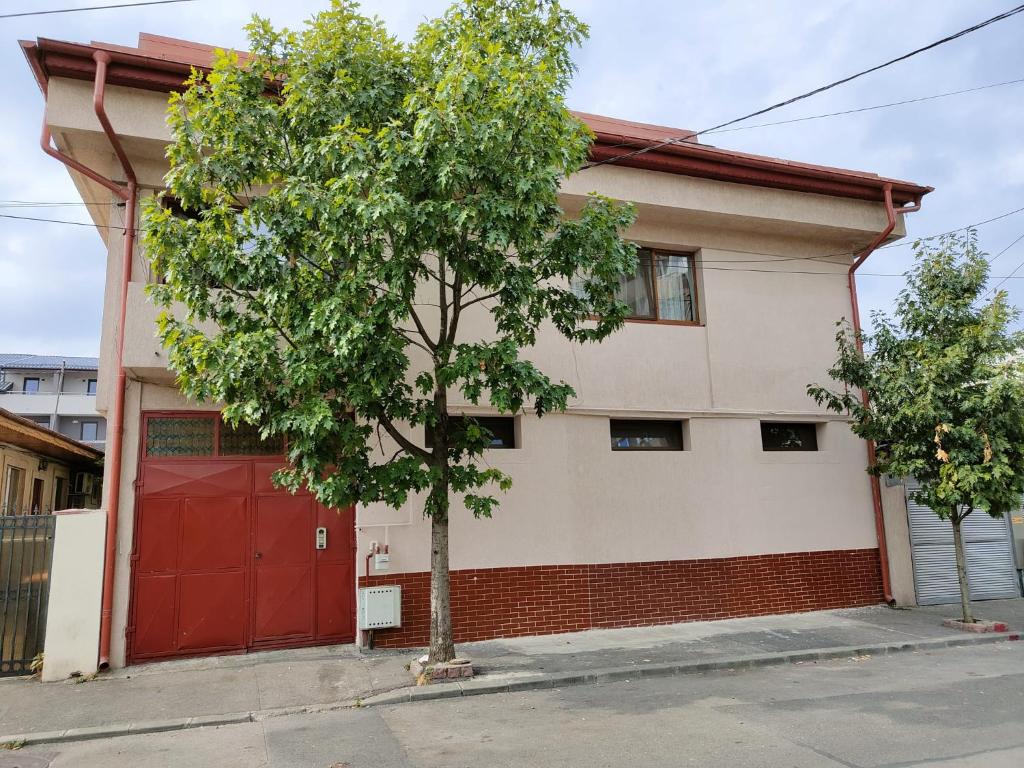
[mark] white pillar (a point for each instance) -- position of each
(76, 590)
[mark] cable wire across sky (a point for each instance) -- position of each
(821, 89)
(23, 14)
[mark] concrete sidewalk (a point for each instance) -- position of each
(233, 689)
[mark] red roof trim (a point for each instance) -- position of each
(614, 138)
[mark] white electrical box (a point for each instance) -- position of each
(380, 607)
(382, 561)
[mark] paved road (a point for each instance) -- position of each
(953, 708)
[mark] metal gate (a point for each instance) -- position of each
(988, 545)
(26, 552)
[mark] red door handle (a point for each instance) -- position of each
(259, 555)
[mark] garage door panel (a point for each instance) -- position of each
(335, 608)
(262, 483)
(991, 570)
(226, 561)
(154, 615)
(284, 602)
(211, 611)
(197, 478)
(340, 525)
(214, 534)
(284, 530)
(158, 536)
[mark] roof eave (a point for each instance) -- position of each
(57, 58)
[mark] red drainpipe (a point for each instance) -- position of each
(128, 192)
(876, 485)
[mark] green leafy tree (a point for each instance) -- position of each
(945, 389)
(340, 206)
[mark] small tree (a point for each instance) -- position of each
(338, 202)
(946, 393)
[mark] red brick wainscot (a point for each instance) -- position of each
(547, 599)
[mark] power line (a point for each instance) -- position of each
(89, 8)
(808, 94)
(37, 203)
(1016, 269)
(60, 221)
(16, 204)
(952, 231)
(900, 244)
(868, 109)
(1019, 238)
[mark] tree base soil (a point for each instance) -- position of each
(456, 669)
(977, 626)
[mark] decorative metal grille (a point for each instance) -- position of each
(174, 436)
(245, 440)
(26, 552)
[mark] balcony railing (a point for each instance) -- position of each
(46, 393)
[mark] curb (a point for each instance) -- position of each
(481, 686)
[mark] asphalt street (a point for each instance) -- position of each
(951, 708)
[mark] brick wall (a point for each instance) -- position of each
(546, 599)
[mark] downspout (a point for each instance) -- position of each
(102, 59)
(127, 192)
(876, 485)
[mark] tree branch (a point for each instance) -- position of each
(409, 446)
(478, 299)
(422, 330)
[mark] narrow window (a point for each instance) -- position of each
(89, 431)
(646, 435)
(30, 385)
(502, 430)
(789, 436)
(90, 387)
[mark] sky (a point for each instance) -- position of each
(682, 64)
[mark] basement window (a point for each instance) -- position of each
(789, 436)
(646, 434)
(501, 428)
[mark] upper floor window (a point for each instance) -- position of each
(90, 387)
(90, 430)
(30, 385)
(662, 289)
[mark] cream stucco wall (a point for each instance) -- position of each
(767, 332)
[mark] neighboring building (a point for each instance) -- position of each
(757, 502)
(42, 471)
(57, 392)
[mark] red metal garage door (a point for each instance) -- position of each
(223, 561)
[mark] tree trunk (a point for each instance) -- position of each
(442, 643)
(961, 568)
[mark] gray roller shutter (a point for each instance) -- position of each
(991, 569)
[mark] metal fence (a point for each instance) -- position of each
(26, 552)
